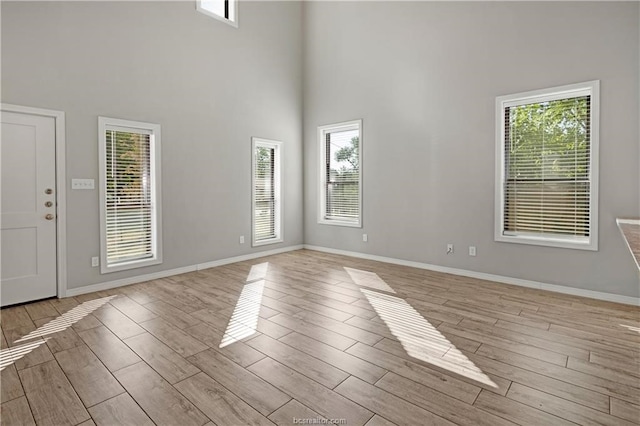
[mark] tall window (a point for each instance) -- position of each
(129, 194)
(267, 206)
(224, 10)
(341, 174)
(546, 186)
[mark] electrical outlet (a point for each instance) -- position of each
(241, 239)
(95, 261)
(365, 237)
(472, 250)
(449, 248)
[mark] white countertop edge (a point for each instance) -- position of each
(628, 221)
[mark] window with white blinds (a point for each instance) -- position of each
(223, 10)
(266, 192)
(547, 146)
(129, 194)
(341, 174)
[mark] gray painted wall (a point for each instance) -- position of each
(424, 78)
(210, 86)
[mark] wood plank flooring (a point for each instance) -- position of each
(310, 335)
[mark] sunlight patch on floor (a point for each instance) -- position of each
(258, 272)
(368, 279)
(67, 319)
(10, 355)
(420, 339)
(244, 319)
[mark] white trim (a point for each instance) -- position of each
(610, 297)
(61, 187)
(347, 125)
(591, 88)
(249, 256)
(472, 274)
(154, 130)
(278, 208)
(128, 281)
(170, 272)
(232, 22)
(546, 95)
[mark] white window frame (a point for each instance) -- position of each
(591, 88)
(322, 174)
(104, 124)
(232, 22)
(277, 155)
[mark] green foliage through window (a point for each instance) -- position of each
(547, 159)
(343, 175)
(549, 140)
(128, 196)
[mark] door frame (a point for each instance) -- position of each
(61, 195)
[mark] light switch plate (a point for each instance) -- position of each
(82, 184)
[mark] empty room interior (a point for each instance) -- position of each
(229, 212)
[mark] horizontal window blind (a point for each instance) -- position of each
(129, 197)
(547, 148)
(264, 193)
(342, 174)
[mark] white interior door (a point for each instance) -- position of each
(28, 208)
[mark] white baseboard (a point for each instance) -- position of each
(627, 300)
(170, 272)
(249, 256)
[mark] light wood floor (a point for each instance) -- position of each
(336, 338)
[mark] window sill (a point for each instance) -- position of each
(340, 223)
(266, 242)
(128, 265)
(568, 243)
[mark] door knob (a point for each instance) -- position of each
(48, 204)
(48, 191)
(49, 216)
